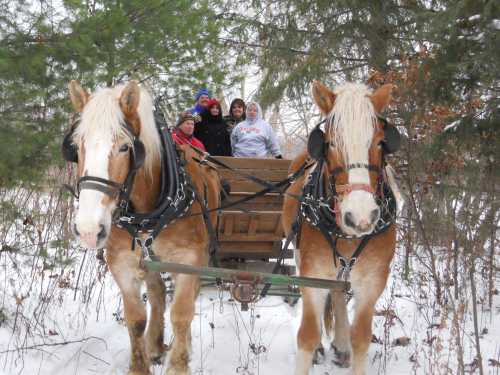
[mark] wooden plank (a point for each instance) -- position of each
(256, 237)
(254, 163)
(258, 205)
(266, 221)
(247, 247)
(278, 232)
(252, 227)
(228, 224)
(268, 175)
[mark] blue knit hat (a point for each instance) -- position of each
(202, 91)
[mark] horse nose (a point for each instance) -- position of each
(363, 224)
(366, 223)
(91, 237)
(349, 220)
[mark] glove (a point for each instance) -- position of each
(278, 157)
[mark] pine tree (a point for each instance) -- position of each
(172, 45)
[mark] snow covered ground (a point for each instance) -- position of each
(64, 331)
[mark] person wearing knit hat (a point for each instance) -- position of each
(183, 132)
(202, 97)
(213, 130)
(236, 113)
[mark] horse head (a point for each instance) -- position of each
(357, 138)
(105, 144)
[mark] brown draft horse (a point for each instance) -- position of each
(104, 151)
(354, 134)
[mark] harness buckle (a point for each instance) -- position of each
(345, 268)
(146, 248)
(125, 219)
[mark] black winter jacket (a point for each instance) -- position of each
(213, 132)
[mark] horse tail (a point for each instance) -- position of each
(328, 315)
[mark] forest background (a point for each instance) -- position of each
(442, 55)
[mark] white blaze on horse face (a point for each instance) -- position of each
(352, 126)
(93, 218)
(360, 204)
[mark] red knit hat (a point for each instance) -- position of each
(212, 102)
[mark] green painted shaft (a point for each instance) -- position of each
(237, 275)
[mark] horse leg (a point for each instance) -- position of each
(366, 296)
(309, 335)
(181, 316)
(154, 334)
(342, 340)
(127, 276)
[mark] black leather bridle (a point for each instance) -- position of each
(108, 187)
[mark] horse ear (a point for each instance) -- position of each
(78, 95)
(323, 96)
(381, 97)
(129, 99)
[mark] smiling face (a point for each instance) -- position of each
(187, 127)
(203, 100)
(104, 152)
(237, 111)
(214, 110)
(252, 111)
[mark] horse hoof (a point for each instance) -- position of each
(156, 357)
(319, 355)
(145, 372)
(341, 359)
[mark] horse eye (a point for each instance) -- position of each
(124, 148)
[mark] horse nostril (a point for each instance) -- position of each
(75, 230)
(102, 232)
(375, 215)
(349, 220)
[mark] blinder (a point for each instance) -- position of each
(317, 147)
(69, 149)
(139, 153)
(392, 139)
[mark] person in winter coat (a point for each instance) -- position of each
(254, 137)
(236, 113)
(213, 130)
(183, 132)
(202, 97)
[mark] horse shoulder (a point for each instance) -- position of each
(298, 161)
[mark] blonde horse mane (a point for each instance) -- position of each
(102, 120)
(353, 121)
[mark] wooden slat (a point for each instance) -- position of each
(246, 247)
(228, 225)
(244, 237)
(267, 202)
(254, 163)
(268, 175)
(252, 227)
(278, 232)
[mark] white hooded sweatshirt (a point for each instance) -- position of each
(254, 138)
